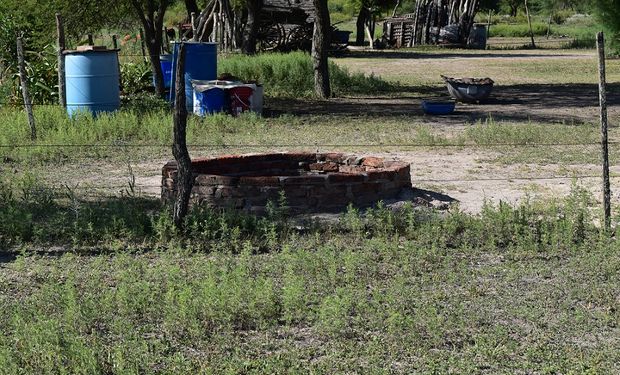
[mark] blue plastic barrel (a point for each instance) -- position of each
(212, 100)
(92, 81)
(200, 64)
(165, 61)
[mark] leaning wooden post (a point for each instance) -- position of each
(529, 22)
(194, 31)
(602, 94)
(60, 43)
(24, 85)
(179, 147)
(142, 44)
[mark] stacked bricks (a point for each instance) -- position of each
(311, 182)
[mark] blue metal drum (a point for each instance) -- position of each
(92, 81)
(200, 64)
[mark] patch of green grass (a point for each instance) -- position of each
(291, 75)
(514, 289)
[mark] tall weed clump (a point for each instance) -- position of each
(291, 75)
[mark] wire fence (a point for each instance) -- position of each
(126, 185)
(103, 190)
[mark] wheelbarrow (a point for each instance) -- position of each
(469, 90)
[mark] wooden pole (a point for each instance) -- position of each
(179, 146)
(489, 24)
(61, 45)
(142, 44)
(602, 94)
(529, 22)
(24, 84)
(194, 31)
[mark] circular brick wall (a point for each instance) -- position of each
(311, 182)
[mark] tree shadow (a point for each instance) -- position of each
(393, 54)
(545, 103)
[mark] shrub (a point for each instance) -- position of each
(292, 75)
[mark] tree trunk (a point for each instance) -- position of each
(179, 146)
(395, 8)
(192, 7)
(514, 9)
(251, 27)
(320, 43)
(153, 22)
(529, 22)
(360, 26)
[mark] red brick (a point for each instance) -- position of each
(223, 192)
(335, 157)
(352, 169)
(372, 161)
(259, 180)
(295, 191)
(366, 188)
(325, 167)
(211, 179)
(380, 175)
(304, 180)
(335, 178)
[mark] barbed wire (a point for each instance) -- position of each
(322, 145)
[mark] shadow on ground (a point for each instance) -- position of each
(545, 103)
(392, 54)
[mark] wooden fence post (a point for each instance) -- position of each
(60, 42)
(602, 93)
(142, 44)
(179, 146)
(24, 85)
(529, 22)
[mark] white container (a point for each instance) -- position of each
(256, 101)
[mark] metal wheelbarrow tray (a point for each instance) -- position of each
(469, 90)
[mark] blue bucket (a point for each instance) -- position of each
(200, 64)
(165, 61)
(211, 101)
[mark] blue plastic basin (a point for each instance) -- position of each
(213, 100)
(438, 107)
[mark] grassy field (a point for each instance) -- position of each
(531, 289)
(95, 279)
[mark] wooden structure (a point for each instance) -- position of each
(433, 22)
(286, 25)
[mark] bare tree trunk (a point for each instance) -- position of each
(153, 22)
(60, 43)
(529, 23)
(23, 79)
(251, 27)
(360, 26)
(179, 146)
(320, 43)
(395, 8)
(192, 7)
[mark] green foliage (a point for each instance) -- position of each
(422, 289)
(291, 75)
(608, 13)
(136, 77)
